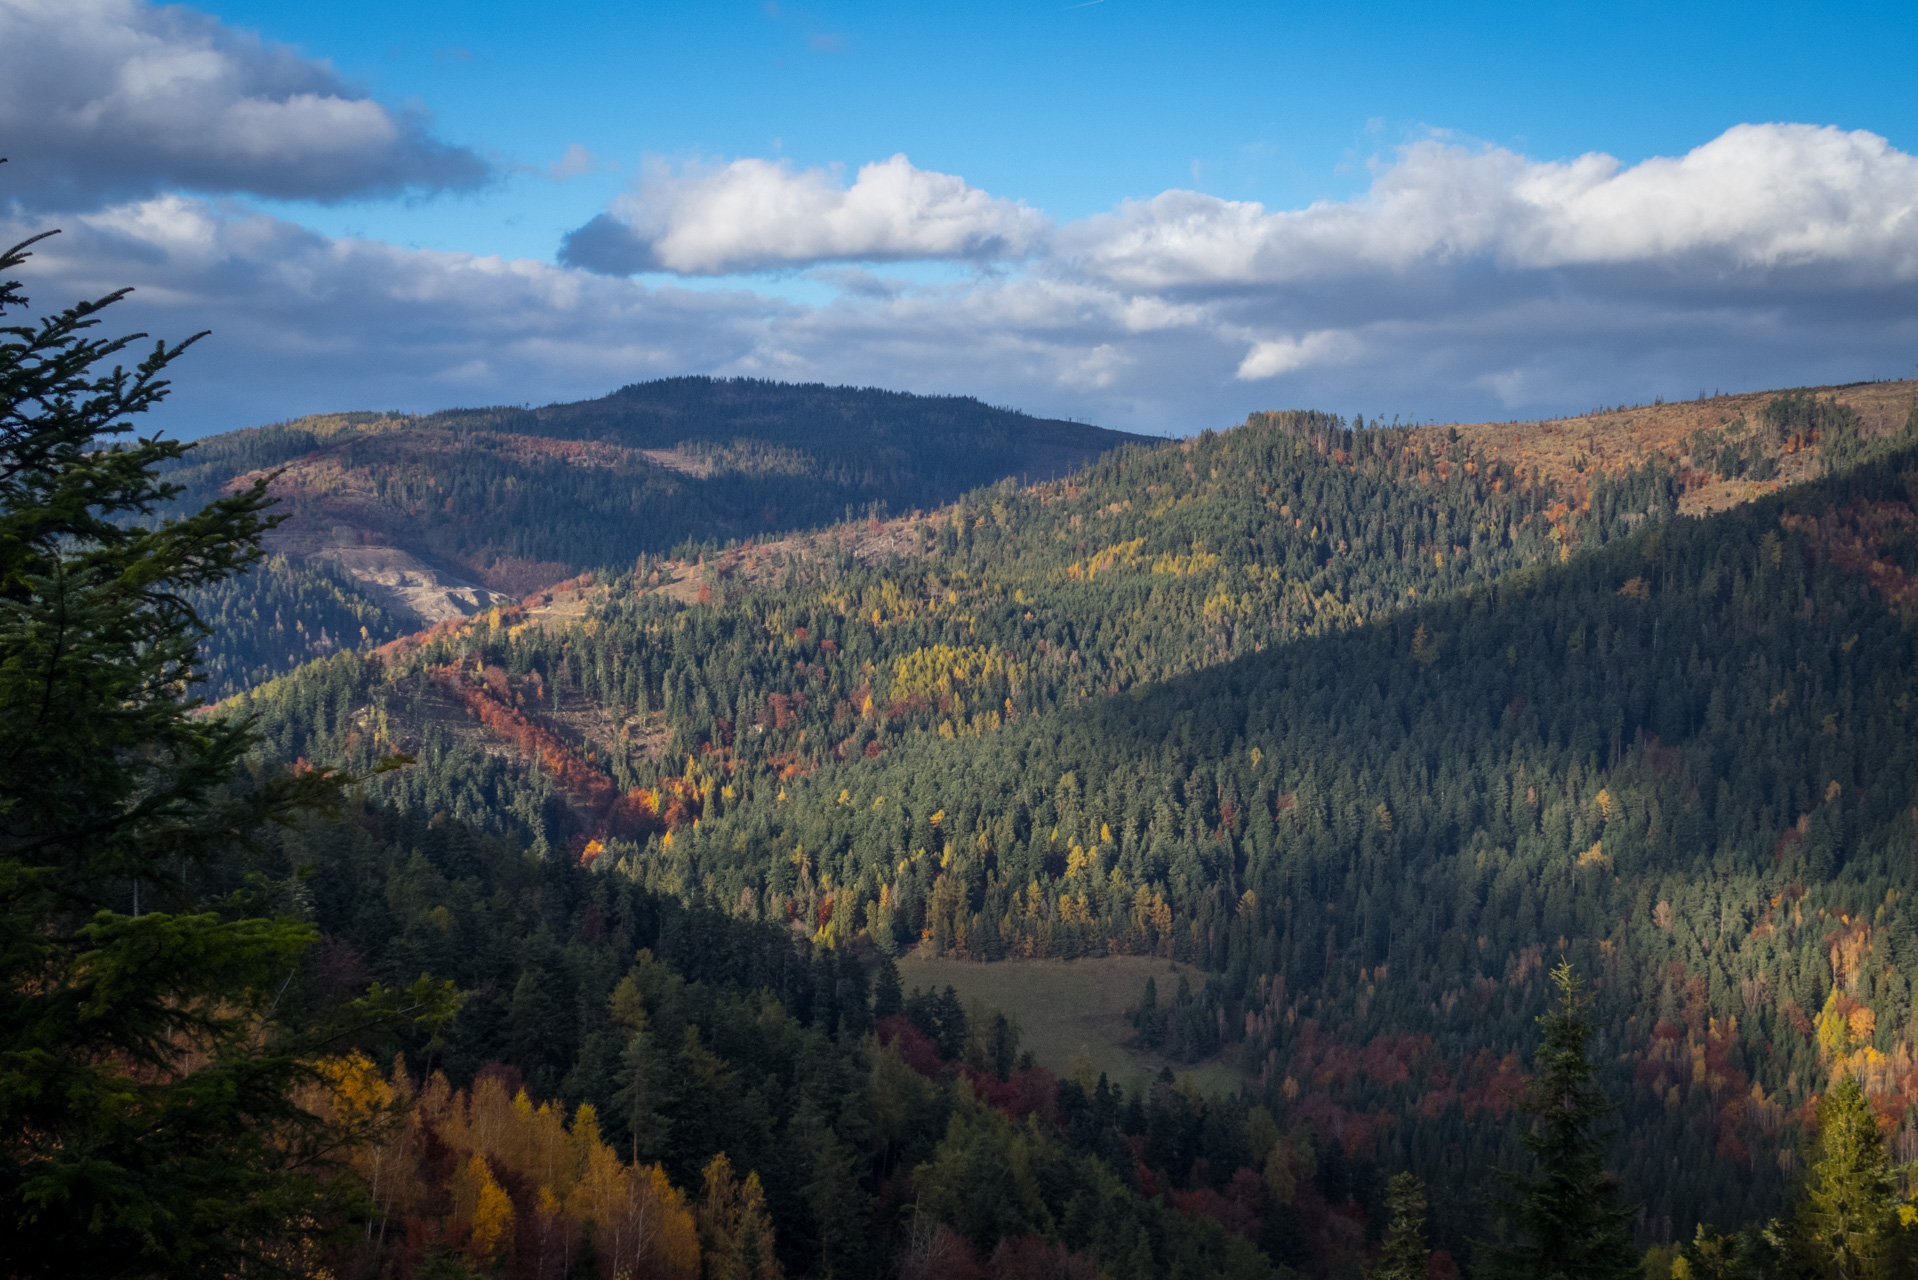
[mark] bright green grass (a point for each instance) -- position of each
(1063, 1006)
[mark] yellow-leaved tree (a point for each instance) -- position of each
(734, 1227)
(527, 1192)
(484, 1208)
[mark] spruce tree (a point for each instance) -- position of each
(887, 999)
(1847, 1225)
(1405, 1255)
(152, 1039)
(642, 1086)
(1569, 1225)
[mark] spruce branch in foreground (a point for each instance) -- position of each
(154, 1042)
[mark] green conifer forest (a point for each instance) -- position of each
(1523, 856)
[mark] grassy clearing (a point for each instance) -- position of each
(1062, 1006)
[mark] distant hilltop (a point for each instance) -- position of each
(398, 521)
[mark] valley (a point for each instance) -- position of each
(686, 642)
(1342, 736)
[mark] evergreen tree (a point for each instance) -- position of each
(1405, 1254)
(149, 1053)
(735, 1231)
(640, 1091)
(1847, 1225)
(1569, 1222)
(1712, 1255)
(887, 998)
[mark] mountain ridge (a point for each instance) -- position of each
(1369, 727)
(1560, 505)
(413, 520)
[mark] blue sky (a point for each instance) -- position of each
(1156, 216)
(1073, 107)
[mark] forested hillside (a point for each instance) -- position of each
(1373, 726)
(395, 522)
(729, 830)
(1014, 603)
(881, 1134)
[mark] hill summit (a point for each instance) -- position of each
(395, 521)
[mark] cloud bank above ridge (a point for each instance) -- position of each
(1457, 255)
(1466, 281)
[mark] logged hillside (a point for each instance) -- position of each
(1727, 448)
(394, 522)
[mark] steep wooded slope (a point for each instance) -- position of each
(1358, 722)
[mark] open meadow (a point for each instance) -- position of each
(1063, 1006)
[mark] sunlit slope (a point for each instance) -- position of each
(770, 658)
(399, 522)
(1726, 448)
(775, 656)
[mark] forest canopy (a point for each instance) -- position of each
(1517, 855)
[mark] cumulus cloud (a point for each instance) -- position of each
(301, 320)
(108, 100)
(751, 215)
(1449, 238)
(1816, 219)
(1756, 201)
(1274, 356)
(1510, 287)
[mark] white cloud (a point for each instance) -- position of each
(752, 214)
(301, 320)
(106, 100)
(1756, 200)
(1427, 296)
(1276, 356)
